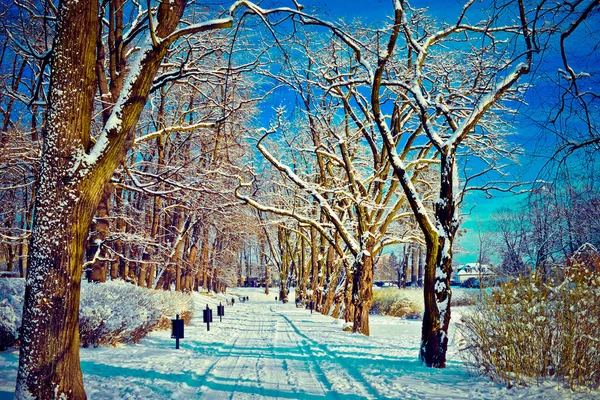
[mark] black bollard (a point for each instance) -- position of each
(177, 330)
(207, 317)
(220, 312)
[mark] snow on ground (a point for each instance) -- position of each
(264, 349)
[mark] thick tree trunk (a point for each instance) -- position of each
(433, 342)
(438, 271)
(362, 290)
(64, 207)
(71, 182)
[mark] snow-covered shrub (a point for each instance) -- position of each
(535, 329)
(12, 291)
(173, 303)
(397, 303)
(116, 312)
(110, 313)
(463, 298)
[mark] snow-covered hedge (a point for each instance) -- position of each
(536, 329)
(11, 307)
(172, 303)
(110, 313)
(116, 312)
(398, 303)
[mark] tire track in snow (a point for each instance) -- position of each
(265, 359)
(265, 355)
(367, 389)
(225, 377)
(304, 373)
(309, 360)
(244, 368)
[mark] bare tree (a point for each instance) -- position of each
(75, 169)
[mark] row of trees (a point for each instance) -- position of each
(167, 214)
(372, 158)
(146, 119)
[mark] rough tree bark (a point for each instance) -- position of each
(71, 183)
(64, 206)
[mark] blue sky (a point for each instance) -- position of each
(478, 206)
(528, 135)
(536, 143)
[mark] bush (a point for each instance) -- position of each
(534, 329)
(110, 313)
(397, 303)
(471, 283)
(463, 298)
(116, 312)
(172, 303)
(11, 307)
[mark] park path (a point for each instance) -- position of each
(265, 355)
(267, 350)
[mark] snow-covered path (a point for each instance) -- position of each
(265, 349)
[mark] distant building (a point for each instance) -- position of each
(471, 270)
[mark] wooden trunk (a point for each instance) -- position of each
(362, 291)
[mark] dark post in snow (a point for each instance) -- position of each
(220, 312)
(177, 330)
(207, 314)
(233, 301)
(312, 306)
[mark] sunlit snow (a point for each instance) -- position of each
(265, 350)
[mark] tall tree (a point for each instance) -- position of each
(74, 173)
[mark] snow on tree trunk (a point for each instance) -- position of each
(438, 270)
(362, 289)
(71, 183)
(64, 207)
